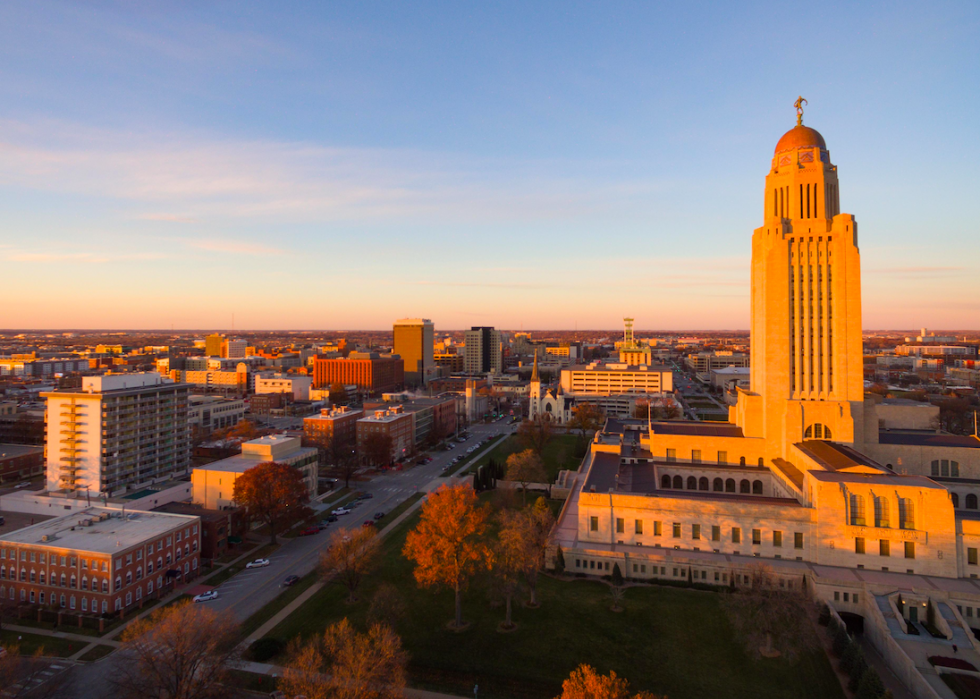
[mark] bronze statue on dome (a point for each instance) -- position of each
(799, 110)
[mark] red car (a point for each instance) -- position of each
(368, 523)
(310, 531)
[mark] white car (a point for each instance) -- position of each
(207, 596)
(258, 563)
(341, 511)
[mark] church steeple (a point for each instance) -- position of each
(534, 371)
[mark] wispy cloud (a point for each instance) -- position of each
(236, 247)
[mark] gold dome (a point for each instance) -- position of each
(800, 137)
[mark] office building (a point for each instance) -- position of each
(118, 433)
(213, 345)
(413, 342)
(214, 483)
(99, 560)
(209, 413)
(296, 386)
(234, 349)
(369, 371)
(482, 352)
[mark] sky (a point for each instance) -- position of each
(525, 165)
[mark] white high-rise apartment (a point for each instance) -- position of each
(235, 349)
(118, 433)
(482, 352)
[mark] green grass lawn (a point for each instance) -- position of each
(561, 452)
(29, 643)
(671, 641)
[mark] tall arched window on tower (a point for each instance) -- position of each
(906, 513)
(857, 510)
(881, 513)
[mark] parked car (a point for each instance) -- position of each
(365, 496)
(340, 511)
(310, 531)
(368, 523)
(379, 515)
(258, 563)
(206, 596)
(330, 518)
(290, 580)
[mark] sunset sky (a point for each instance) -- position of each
(538, 165)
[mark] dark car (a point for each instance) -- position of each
(365, 496)
(290, 580)
(379, 515)
(330, 518)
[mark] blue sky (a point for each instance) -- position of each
(536, 165)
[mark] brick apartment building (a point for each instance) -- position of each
(338, 423)
(369, 371)
(20, 461)
(99, 560)
(393, 422)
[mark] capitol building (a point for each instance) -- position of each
(853, 496)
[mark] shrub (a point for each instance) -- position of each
(841, 641)
(848, 661)
(264, 649)
(858, 672)
(617, 576)
(559, 562)
(871, 686)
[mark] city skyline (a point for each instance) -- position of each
(360, 166)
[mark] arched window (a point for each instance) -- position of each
(71, 602)
(105, 585)
(74, 582)
(84, 604)
(62, 601)
(956, 500)
(692, 483)
(41, 576)
(40, 598)
(63, 580)
(741, 461)
(762, 462)
(971, 502)
(33, 575)
(702, 483)
(118, 582)
(857, 510)
(757, 487)
(817, 431)
(678, 482)
(717, 485)
(32, 596)
(882, 518)
(730, 485)
(906, 513)
(665, 481)
(744, 486)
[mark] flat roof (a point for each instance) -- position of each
(114, 534)
(927, 439)
(631, 368)
(875, 479)
(696, 428)
(10, 451)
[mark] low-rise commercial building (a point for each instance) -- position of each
(210, 413)
(20, 461)
(214, 483)
(99, 560)
(295, 385)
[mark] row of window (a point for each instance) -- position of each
(968, 611)
(970, 501)
(676, 531)
(945, 467)
(696, 574)
(906, 512)
(848, 596)
(722, 458)
(718, 485)
(72, 581)
(40, 597)
(884, 547)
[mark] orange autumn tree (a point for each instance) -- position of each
(274, 494)
(586, 683)
(448, 545)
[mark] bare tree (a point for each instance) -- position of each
(766, 614)
(525, 534)
(377, 449)
(525, 467)
(182, 651)
(387, 606)
(350, 556)
(345, 664)
(535, 434)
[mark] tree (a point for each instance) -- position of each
(376, 449)
(245, 431)
(617, 576)
(559, 562)
(670, 412)
(871, 686)
(586, 683)
(387, 606)
(764, 613)
(525, 533)
(274, 494)
(338, 393)
(587, 418)
(535, 434)
(30, 676)
(179, 652)
(350, 556)
(448, 544)
(507, 565)
(341, 454)
(525, 467)
(345, 664)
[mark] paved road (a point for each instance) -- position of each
(246, 593)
